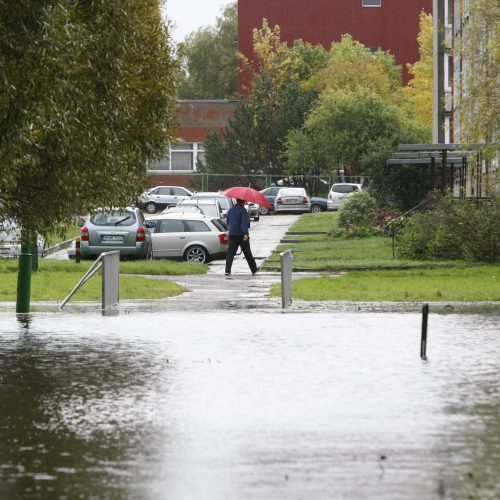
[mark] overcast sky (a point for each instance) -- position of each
(189, 15)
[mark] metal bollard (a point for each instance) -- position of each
(423, 339)
(77, 249)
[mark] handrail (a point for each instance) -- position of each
(92, 270)
(414, 209)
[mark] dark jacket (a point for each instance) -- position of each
(238, 221)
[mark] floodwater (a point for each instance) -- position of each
(247, 405)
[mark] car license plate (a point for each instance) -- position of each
(292, 200)
(112, 237)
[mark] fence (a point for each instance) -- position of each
(110, 263)
(314, 185)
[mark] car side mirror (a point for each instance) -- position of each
(81, 222)
(150, 224)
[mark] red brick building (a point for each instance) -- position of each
(390, 25)
(195, 119)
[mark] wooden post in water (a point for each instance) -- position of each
(423, 339)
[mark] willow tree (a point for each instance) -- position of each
(86, 100)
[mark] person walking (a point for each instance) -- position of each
(238, 222)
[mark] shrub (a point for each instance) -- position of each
(453, 229)
(360, 209)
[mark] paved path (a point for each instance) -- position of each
(244, 291)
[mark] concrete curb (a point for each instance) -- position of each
(59, 246)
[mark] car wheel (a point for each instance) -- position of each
(196, 253)
(149, 253)
(263, 210)
(151, 207)
(315, 209)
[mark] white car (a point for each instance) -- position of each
(292, 200)
(10, 240)
(188, 236)
(339, 192)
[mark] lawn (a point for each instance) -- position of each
(367, 271)
(55, 279)
(480, 283)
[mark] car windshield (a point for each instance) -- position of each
(113, 218)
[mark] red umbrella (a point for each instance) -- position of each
(247, 194)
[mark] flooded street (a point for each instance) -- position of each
(249, 405)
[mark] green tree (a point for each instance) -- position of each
(352, 66)
(419, 88)
(209, 59)
(86, 100)
(477, 95)
(278, 102)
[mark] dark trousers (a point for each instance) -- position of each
(236, 242)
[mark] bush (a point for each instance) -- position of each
(453, 229)
(360, 209)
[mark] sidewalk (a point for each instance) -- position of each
(213, 291)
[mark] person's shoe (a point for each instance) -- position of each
(228, 276)
(254, 273)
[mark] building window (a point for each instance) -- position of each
(184, 156)
(371, 3)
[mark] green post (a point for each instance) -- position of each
(34, 258)
(24, 279)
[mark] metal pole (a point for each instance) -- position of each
(24, 278)
(423, 339)
(77, 250)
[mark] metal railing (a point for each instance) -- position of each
(286, 260)
(110, 263)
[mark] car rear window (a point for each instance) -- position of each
(113, 218)
(343, 188)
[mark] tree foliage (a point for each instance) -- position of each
(419, 88)
(477, 94)
(278, 102)
(352, 66)
(86, 99)
(209, 59)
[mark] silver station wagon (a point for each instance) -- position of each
(188, 236)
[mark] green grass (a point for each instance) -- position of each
(335, 253)
(323, 221)
(432, 285)
(56, 237)
(55, 279)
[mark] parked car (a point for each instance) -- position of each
(116, 229)
(270, 193)
(318, 204)
(188, 236)
(10, 240)
(208, 207)
(161, 197)
(292, 200)
(225, 202)
(339, 192)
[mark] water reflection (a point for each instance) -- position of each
(245, 405)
